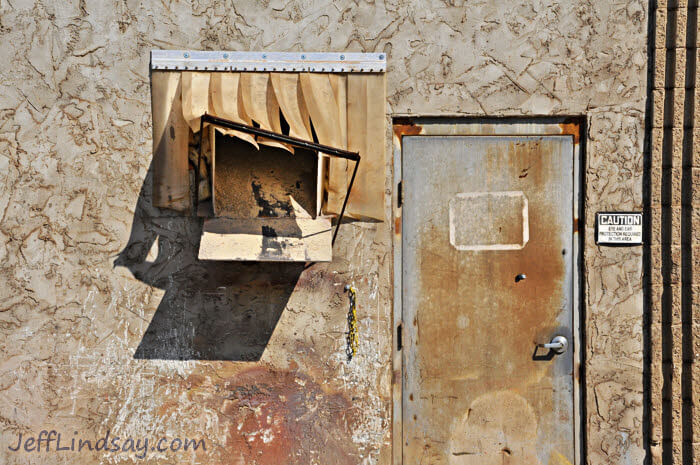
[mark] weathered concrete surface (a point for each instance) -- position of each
(75, 140)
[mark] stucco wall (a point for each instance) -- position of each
(81, 288)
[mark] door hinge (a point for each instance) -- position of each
(399, 194)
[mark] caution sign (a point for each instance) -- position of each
(618, 228)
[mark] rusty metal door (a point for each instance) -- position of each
(487, 260)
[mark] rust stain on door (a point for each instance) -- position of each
(405, 127)
(444, 273)
(475, 390)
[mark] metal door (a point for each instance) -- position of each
(487, 260)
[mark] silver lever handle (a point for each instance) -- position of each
(558, 345)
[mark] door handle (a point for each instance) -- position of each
(558, 344)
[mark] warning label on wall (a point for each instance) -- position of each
(619, 228)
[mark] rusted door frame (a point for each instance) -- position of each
(411, 125)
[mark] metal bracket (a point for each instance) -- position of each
(293, 141)
(314, 62)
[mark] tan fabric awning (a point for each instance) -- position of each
(347, 110)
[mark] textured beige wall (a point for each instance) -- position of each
(76, 147)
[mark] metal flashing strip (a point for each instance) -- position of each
(314, 62)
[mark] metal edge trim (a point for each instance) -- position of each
(319, 62)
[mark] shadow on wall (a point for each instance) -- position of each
(211, 310)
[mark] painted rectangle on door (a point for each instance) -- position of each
(487, 260)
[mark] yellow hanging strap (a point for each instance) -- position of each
(353, 336)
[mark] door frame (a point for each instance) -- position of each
(455, 125)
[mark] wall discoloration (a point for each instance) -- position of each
(272, 416)
(75, 138)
